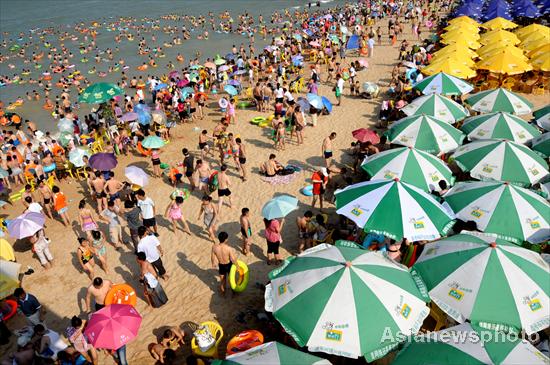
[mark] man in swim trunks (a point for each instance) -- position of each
(188, 166)
(303, 230)
(327, 148)
(242, 158)
(257, 92)
(246, 230)
(204, 171)
(223, 188)
(222, 257)
(113, 188)
(98, 185)
(98, 289)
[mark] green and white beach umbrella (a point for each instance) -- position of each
(100, 92)
(272, 353)
(437, 106)
(395, 209)
(501, 160)
(500, 125)
(541, 144)
(499, 100)
(542, 117)
(512, 213)
(409, 165)
(442, 83)
(491, 282)
(340, 300)
(468, 344)
(425, 133)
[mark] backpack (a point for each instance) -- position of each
(213, 182)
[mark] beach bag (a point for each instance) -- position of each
(213, 182)
(204, 338)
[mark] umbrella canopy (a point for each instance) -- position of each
(543, 117)
(464, 42)
(65, 125)
(463, 19)
(487, 280)
(65, 138)
(272, 353)
(454, 50)
(182, 83)
(231, 90)
(463, 34)
(499, 23)
(26, 225)
(445, 84)
(541, 63)
(366, 135)
(409, 165)
(501, 160)
(524, 32)
(315, 101)
(136, 176)
(513, 213)
(160, 86)
(144, 117)
(435, 348)
(76, 156)
(499, 36)
(341, 300)
(425, 133)
(504, 62)
(218, 61)
(153, 142)
(534, 41)
(499, 100)
(100, 93)
(303, 103)
(9, 277)
(437, 106)
(113, 326)
(450, 66)
(500, 125)
(491, 50)
(395, 209)
(103, 161)
(6, 250)
(326, 104)
(459, 61)
(541, 144)
(279, 207)
(129, 117)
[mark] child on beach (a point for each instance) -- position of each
(246, 230)
(280, 137)
(155, 161)
(174, 213)
(60, 205)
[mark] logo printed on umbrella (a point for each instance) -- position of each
(443, 138)
(356, 212)
(434, 176)
(431, 251)
(334, 332)
(488, 168)
(283, 288)
(533, 170)
(533, 222)
(477, 212)
(534, 305)
(521, 134)
(417, 223)
(389, 174)
(405, 311)
(482, 132)
(456, 291)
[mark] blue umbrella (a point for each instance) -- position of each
(298, 37)
(229, 56)
(303, 103)
(315, 101)
(160, 86)
(187, 91)
(231, 90)
(279, 207)
(144, 118)
(327, 104)
(141, 108)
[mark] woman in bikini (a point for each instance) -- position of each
(100, 250)
(86, 219)
(85, 254)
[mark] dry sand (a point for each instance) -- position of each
(192, 287)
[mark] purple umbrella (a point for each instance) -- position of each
(234, 82)
(103, 161)
(26, 225)
(128, 117)
(182, 83)
(173, 74)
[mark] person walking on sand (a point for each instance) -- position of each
(98, 289)
(46, 195)
(319, 180)
(86, 219)
(147, 207)
(204, 171)
(339, 88)
(150, 245)
(111, 216)
(188, 165)
(112, 188)
(209, 212)
(242, 158)
(156, 296)
(98, 186)
(222, 257)
(326, 148)
(174, 213)
(60, 205)
(246, 230)
(223, 188)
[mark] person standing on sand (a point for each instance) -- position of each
(242, 158)
(223, 188)
(303, 231)
(149, 277)
(147, 206)
(319, 180)
(273, 237)
(112, 188)
(98, 186)
(174, 213)
(60, 205)
(222, 257)
(41, 247)
(326, 148)
(246, 230)
(204, 172)
(98, 289)
(150, 246)
(209, 212)
(46, 195)
(188, 165)
(339, 88)
(133, 221)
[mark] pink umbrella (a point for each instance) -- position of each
(173, 74)
(210, 65)
(182, 83)
(363, 62)
(314, 44)
(113, 326)
(366, 135)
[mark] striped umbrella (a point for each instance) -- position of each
(499, 125)
(468, 344)
(410, 165)
(542, 116)
(489, 281)
(444, 84)
(499, 100)
(425, 133)
(493, 159)
(437, 106)
(541, 144)
(341, 300)
(395, 209)
(512, 213)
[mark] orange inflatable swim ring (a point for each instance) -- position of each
(121, 294)
(142, 67)
(141, 150)
(245, 341)
(12, 306)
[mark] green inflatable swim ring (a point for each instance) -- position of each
(257, 120)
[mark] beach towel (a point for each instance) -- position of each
(280, 179)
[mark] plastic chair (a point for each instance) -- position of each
(217, 331)
(509, 84)
(30, 181)
(539, 90)
(80, 172)
(96, 147)
(51, 181)
(436, 320)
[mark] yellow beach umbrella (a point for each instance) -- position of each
(522, 33)
(6, 251)
(454, 49)
(462, 42)
(534, 41)
(9, 277)
(542, 50)
(499, 36)
(485, 53)
(460, 34)
(464, 27)
(468, 62)
(499, 23)
(463, 19)
(504, 62)
(449, 66)
(541, 63)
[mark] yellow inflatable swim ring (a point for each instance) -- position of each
(238, 276)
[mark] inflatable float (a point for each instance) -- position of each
(257, 120)
(238, 276)
(244, 341)
(121, 294)
(12, 304)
